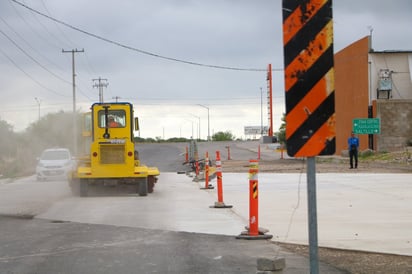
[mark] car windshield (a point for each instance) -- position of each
(55, 155)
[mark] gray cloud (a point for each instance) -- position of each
(246, 34)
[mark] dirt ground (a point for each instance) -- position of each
(347, 260)
(323, 165)
(357, 261)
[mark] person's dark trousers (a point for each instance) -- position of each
(353, 154)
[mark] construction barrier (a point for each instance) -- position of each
(253, 230)
(219, 203)
(206, 172)
(253, 197)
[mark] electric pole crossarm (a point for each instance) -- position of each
(100, 85)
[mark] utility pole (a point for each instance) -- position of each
(270, 102)
(100, 84)
(116, 98)
(38, 104)
(261, 112)
(73, 51)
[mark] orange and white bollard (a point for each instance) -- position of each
(207, 170)
(219, 203)
(253, 198)
(187, 155)
(254, 232)
(207, 186)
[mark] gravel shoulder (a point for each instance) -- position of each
(323, 165)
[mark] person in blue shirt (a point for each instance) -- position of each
(353, 146)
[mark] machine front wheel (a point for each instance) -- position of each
(84, 188)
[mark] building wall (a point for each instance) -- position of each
(351, 91)
(396, 124)
(399, 64)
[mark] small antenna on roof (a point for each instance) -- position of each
(370, 28)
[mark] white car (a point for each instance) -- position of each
(54, 163)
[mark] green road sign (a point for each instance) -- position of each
(367, 126)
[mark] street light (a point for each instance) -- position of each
(198, 137)
(208, 121)
(192, 127)
(38, 103)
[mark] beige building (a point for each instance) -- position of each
(373, 84)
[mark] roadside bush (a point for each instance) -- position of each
(367, 153)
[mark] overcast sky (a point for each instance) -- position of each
(167, 94)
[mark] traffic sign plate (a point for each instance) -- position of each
(309, 77)
(366, 126)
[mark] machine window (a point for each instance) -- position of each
(115, 118)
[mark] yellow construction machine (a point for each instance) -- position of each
(111, 157)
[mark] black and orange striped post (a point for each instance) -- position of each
(310, 93)
(219, 203)
(309, 77)
(253, 231)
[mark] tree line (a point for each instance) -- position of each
(19, 150)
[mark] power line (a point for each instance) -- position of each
(140, 50)
(28, 44)
(57, 26)
(92, 71)
(43, 38)
(32, 58)
(28, 75)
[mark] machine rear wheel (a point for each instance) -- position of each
(151, 180)
(142, 186)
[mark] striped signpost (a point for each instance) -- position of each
(310, 93)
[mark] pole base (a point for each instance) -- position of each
(261, 236)
(220, 205)
(199, 178)
(208, 187)
(245, 236)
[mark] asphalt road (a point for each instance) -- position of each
(169, 157)
(44, 246)
(44, 229)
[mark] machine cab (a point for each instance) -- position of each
(112, 121)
